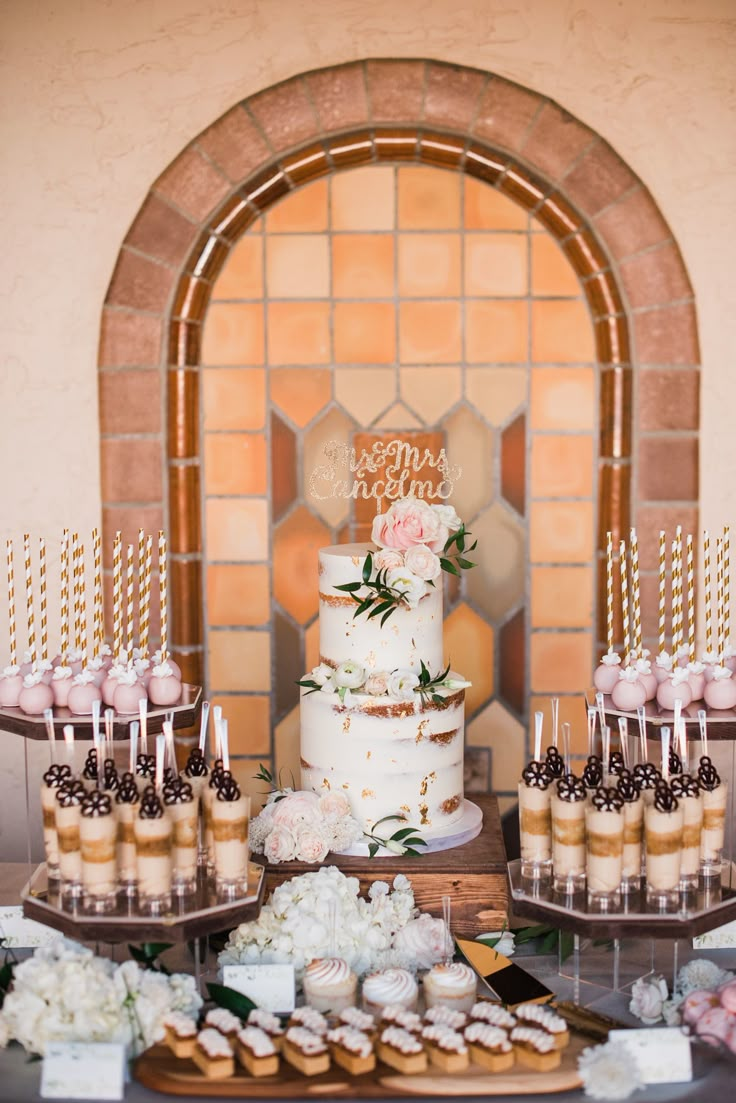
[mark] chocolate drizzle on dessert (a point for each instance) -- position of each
(593, 772)
(146, 765)
(228, 788)
(97, 804)
(628, 787)
(616, 762)
(684, 785)
(554, 763)
(70, 792)
(647, 774)
(90, 765)
(708, 776)
(536, 775)
(57, 774)
(110, 779)
(178, 792)
(571, 789)
(196, 765)
(151, 806)
(664, 799)
(216, 773)
(127, 790)
(675, 762)
(607, 800)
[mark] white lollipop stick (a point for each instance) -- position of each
(642, 718)
(217, 720)
(48, 715)
(168, 729)
(224, 747)
(133, 761)
(96, 706)
(109, 730)
(447, 917)
(100, 752)
(160, 756)
(623, 737)
(606, 753)
(203, 725)
(682, 744)
(555, 720)
(601, 709)
(592, 718)
(143, 714)
(566, 745)
(538, 725)
(703, 723)
(69, 740)
(666, 753)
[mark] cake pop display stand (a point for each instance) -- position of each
(473, 873)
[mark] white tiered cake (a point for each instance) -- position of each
(368, 731)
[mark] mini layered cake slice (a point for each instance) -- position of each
(223, 1020)
(306, 1051)
(396, 1015)
(484, 1011)
(544, 1018)
(489, 1046)
(446, 1048)
(310, 1019)
(269, 1023)
(181, 1034)
(401, 1050)
(535, 1048)
(213, 1055)
(256, 1052)
(352, 1050)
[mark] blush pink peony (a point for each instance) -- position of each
(424, 940)
(334, 804)
(297, 808)
(310, 845)
(280, 845)
(408, 523)
(386, 560)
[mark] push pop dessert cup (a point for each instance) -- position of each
(687, 791)
(153, 838)
(663, 821)
(628, 787)
(535, 823)
(98, 837)
(567, 805)
(604, 825)
(69, 797)
(715, 797)
(127, 798)
(450, 984)
(55, 776)
(183, 811)
(230, 812)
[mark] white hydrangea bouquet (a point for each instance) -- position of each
(297, 925)
(64, 993)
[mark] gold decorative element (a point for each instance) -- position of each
(368, 793)
(368, 754)
(325, 783)
(335, 600)
(346, 724)
(443, 738)
(424, 813)
(450, 805)
(304, 764)
(405, 808)
(421, 730)
(426, 782)
(345, 473)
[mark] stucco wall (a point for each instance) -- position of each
(104, 94)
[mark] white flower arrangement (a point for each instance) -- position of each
(609, 1071)
(303, 826)
(65, 993)
(648, 997)
(294, 926)
(397, 685)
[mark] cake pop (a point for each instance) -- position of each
(45, 668)
(676, 688)
(682, 655)
(696, 677)
(629, 692)
(710, 662)
(128, 692)
(720, 692)
(75, 660)
(97, 669)
(110, 683)
(663, 666)
(35, 696)
(142, 669)
(11, 683)
(606, 675)
(158, 660)
(61, 683)
(83, 694)
(164, 688)
(643, 668)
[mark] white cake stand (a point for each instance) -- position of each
(463, 830)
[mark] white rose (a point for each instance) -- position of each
(423, 563)
(386, 560)
(310, 845)
(424, 940)
(334, 804)
(401, 685)
(329, 686)
(321, 674)
(280, 846)
(648, 997)
(376, 684)
(448, 517)
(349, 675)
(411, 588)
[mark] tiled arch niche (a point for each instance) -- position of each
(566, 180)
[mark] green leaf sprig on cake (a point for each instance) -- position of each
(396, 685)
(416, 542)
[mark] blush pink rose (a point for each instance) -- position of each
(334, 804)
(423, 562)
(423, 939)
(377, 683)
(407, 523)
(386, 560)
(297, 808)
(310, 846)
(280, 845)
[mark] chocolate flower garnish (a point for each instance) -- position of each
(607, 800)
(70, 792)
(110, 779)
(169, 774)
(97, 804)
(151, 806)
(536, 775)
(127, 790)
(684, 785)
(628, 786)
(228, 789)
(216, 774)
(178, 792)
(708, 776)
(675, 762)
(664, 799)
(554, 763)
(57, 774)
(616, 762)
(196, 765)
(146, 765)
(647, 774)
(571, 789)
(592, 772)
(90, 765)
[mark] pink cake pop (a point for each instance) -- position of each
(629, 692)
(662, 666)
(720, 692)
(714, 1025)
(727, 996)
(682, 656)
(75, 660)
(606, 675)
(696, 678)
(110, 683)
(11, 683)
(98, 670)
(83, 694)
(61, 684)
(164, 688)
(128, 693)
(676, 688)
(46, 668)
(157, 660)
(695, 1005)
(710, 662)
(643, 668)
(35, 695)
(142, 668)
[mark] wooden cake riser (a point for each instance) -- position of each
(473, 875)
(160, 1071)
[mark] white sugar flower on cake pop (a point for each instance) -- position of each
(606, 675)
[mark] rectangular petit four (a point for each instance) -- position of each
(181, 1034)
(494, 1014)
(256, 1052)
(446, 1048)
(352, 1050)
(396, 1015)
(271, 1024)
(223, 1020)
(535, 1048)
(357, 1020)
(489, 1046)
(306, 1051)
(310, 1019)
(401, 1050)
(446, 1016)
(213, 1054)
(544, 1018)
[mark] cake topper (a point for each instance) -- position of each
(345, 475)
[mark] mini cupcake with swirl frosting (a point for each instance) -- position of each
(390, 986)
(450, 984)
(330, 985)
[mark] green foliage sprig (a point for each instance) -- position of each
(381, 601)
(403, 842)
(453, 554)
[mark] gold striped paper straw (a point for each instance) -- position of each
(635, 593)
(29, 598)
(43, 623)
(12, 631)
(82, 606)
(677, 590)
(674, 597)
(726, 588)
(625, 600)
(609, 590)
(162, 584)
(130, 605)
(141, 583)
(76, 570)
(662, 592)
(690, 598)
(708, 594)
(64, 586)
(719, 598)
(98, 620)
(146, 598)
(117, 596)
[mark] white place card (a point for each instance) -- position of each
(19, 933)
(83, 1070)
(271, 987)
(662, 1053)
(720, 938)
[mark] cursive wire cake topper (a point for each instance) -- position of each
(345, 473)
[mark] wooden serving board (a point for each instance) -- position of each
(160, 1071)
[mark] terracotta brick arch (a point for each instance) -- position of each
(517, 141)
